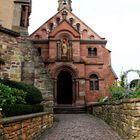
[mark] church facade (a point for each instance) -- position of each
(64, 58)
(75, 56)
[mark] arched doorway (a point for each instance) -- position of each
(64, 88)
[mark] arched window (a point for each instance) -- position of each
(57, 20)
(92, 51)
(43, 30)
(78, 27)
(37, 36)
(94, 82)
(22, 20)
(51, 26)
(39, 51)
(91, 37)
(71, 21)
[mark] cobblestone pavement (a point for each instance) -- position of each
(80, 127)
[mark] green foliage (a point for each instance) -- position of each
(116, 92)
(11, 95)
(136, 93)
(134, 83)
(100, 100)
(20, 109)
(33, 95)
(119, 92)
(122, 82)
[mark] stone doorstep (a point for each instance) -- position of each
(92, 103)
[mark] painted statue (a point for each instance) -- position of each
(64, 47)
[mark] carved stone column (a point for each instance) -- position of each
(77, 89)
(70, 50)
(55, 90)
(73, 90)
(58, 50)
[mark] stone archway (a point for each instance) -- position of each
(66, 85)
(64, 88)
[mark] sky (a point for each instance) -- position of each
(116, 20)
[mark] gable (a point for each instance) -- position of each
(64, 27)
(86, 33)
(44, 27)
(85, 28)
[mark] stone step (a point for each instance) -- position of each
(69, 110)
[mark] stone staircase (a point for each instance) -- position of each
(34, 72)
(65, 109)
(44, 82)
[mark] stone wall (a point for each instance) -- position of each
(123, 117)
(34, 72)
(6, 13)
(25, 127)
(10, 52)
(22, 63)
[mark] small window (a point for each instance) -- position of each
(89, 51)
(51, 26)
(92, 37)
(39, 51)
(57, 20)
(22, 20)
(43, 30)
(64, 1)
(78, 27)
(37, 36)
(71, 21)
(94, 82)
(92, 51)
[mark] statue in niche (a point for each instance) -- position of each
(64, 47)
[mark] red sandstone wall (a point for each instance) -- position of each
(82, 64)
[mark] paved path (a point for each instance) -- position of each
(80, 127)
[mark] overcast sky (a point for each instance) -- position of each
(116, 20)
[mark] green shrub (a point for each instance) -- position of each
(116, 92)
(20, 109)
(37, 108)
(119, 92)
(33, 95)
(11, 95)
(136, 93)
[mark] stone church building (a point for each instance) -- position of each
(64, 57)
